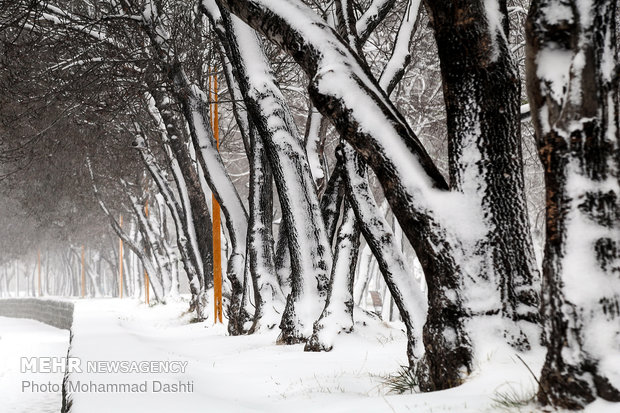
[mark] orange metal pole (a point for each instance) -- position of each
(120, 260)
(217, 241)
(83, 279)
(146, 275)
(39, 270)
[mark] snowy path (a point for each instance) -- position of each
(240, 374)
(251, 374)
(28, 338)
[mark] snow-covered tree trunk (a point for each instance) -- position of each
(482, 96)
(398, 278)
(152, 250)
(337, 315)
(5, 282)
(342, 89)
(331, 201)
(268, 295)
(195, 109)
(573, 85)
(198, 208)
(268, 298)
(314, 138)
(307, 240)
(181, 208)
(375, 13)
(94, 277)
(128, 240)
(404, 288)
(169, 198)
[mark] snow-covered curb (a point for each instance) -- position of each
(54, 312)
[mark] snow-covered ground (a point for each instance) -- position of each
(28, 338)
(249, 373)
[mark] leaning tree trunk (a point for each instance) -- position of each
(187, 182)
(184, 245)
(331, 200)
(572, 76)
(307, 240)
(199, 210)
(403, 286)
(414, 187)
(195, 109)
(138, 250)
(268, 298)
(399, 279)
(314, 138)
(482, 96)
(268, 294)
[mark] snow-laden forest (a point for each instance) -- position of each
(312, 173)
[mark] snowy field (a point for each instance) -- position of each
(28, 338)
(241, 374)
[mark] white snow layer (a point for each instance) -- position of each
(248, 373)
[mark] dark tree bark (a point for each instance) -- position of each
(337, 316)
(307, 241)
(482, 96)
(283, 259)
(331, 201)
(405, 290)
(409, 178)
(197, 199)
(373, 16)
(573, 87)
(195, 111)
(268, 298)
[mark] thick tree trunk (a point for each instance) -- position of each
(482, 95)
(572, 72)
